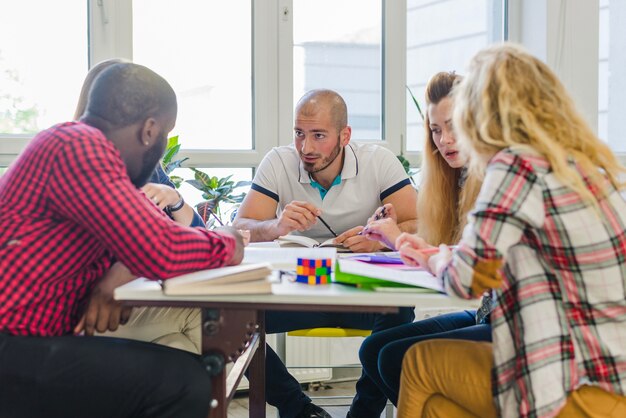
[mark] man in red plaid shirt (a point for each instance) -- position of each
(72, 223)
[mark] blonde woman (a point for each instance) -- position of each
(548, 232)
(446, 194)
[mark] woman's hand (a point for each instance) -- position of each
(386, 211)
(161, 194)
(414, 251)
(384, 230)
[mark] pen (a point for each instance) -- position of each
(433, 250)
(382, 214)
(327, 226)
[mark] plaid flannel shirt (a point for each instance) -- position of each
(559, 270)
(68, 210)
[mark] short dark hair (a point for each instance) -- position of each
(127, 93)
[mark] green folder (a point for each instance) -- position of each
(364, 281)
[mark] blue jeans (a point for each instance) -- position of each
(381, 354)
(284, 392)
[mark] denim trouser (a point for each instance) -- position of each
(284, 392)
(382, 353)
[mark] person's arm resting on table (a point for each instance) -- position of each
(136, 233)
(258, 215)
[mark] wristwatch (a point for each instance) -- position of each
(178, 205)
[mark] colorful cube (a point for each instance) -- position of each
(314, 271)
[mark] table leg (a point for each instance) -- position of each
(256, 374)
(219, 407)
(226, 333)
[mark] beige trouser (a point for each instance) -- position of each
(451, 378)
(172, 327)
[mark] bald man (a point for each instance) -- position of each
(74, 225)
(323, 174)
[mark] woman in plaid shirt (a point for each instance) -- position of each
(548, 233)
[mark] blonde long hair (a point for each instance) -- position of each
(511, 99)
(442, 204)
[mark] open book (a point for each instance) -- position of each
(241, 279)
(302, 241)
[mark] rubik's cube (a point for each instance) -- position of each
(314, 271)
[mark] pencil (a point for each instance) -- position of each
(433, 250)
(327, 226)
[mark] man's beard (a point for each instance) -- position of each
(322, 165)
(149, 161)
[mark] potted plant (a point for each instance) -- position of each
(216, 191)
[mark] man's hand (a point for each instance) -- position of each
(384, 230)
(239, 243)
(357, 243)
(297, 216)
(103, 312)
(161, 194)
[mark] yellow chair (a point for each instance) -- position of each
(327, 333)
(330, 332)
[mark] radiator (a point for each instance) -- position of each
(304, 351)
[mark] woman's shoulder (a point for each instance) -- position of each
(514, 159)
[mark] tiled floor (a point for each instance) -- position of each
(239, 406)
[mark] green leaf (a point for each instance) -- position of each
(196, 183)
(172, 142)
(242, 183)
(417, 105)
(177, 181)
(171, 166)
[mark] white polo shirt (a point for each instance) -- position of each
(370, 174)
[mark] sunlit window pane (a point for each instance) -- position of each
(43, 60)
(612, 75)
(337, 45)
(203, 48)
(442, 35)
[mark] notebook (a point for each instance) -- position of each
(251, 278)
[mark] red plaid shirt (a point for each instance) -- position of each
(559, 268)
(68, 210)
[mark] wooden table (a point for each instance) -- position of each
(233, 325)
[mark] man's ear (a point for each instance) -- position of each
(149, 131)
(345, 135)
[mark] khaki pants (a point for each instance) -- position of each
(172, 327)
(452, 378)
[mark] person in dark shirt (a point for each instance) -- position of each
(159, 188)
(173, 327)
(72, 218)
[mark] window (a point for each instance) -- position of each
(238, 66)
(442, 35)
(336, 48)
(203, 48)
(612, 74)
(603, 71)
(43, 61)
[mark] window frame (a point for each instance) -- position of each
(537, 25)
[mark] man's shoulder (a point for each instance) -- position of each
(70, 133)
(285, 154)
(81, 141)
(371, 151)
(284, 151)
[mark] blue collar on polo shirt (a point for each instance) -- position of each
(321, 188)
